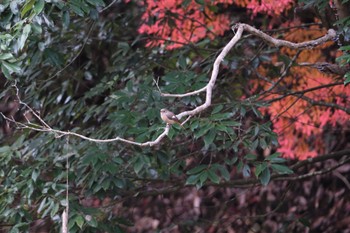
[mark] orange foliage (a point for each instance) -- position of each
(180, 25)
(270, 7)
(298, 122)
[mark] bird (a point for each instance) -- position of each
(169, 117)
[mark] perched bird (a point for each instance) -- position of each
(169, 117)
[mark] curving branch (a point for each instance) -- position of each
(238, 29)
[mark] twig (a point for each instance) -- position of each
(239, 28)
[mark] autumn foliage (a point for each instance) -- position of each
(299, 119)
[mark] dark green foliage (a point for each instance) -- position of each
(86, 70)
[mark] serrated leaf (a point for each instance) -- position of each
(281, 169)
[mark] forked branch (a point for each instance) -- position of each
(238, 29)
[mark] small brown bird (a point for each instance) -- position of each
(169, 117)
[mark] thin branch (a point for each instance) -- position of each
(238, 28)
(316, 173)
(304, 91)
(331, 34)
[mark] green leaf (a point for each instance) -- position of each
(27, 7)
(213, 176)
(138, 165)
(347, 78)
(217, 109)
(254, 144)
(65, 19)
(281, 169)
(223, 171)
(200, 2)
(35, 174)
(6, 56)
(39, 6)
(25, 33)
(263, 143)
(220, 116)
(203, 130)
(54, 210)
(53, 57)
(182, 62)
(191, 180)
(231, 123)
(265, 176)
(92, 221)
(79, 220)
(197, 169)
(231, 161)
(203, 176)
(250, 157)
(194, 125)
(259, 168)
(11, 67)
(273, 156)
(278, 160)
(257, 112)
(96, 2)
(209, 138)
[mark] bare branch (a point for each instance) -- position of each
(239, 28)
(331, 34)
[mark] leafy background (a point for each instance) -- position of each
(94, 67)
